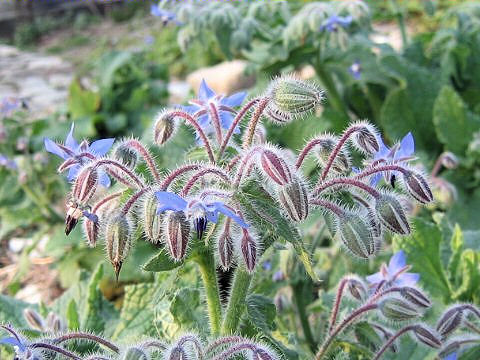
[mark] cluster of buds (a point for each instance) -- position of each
(188, 346)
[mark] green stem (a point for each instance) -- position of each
(236, 303)
(401, 22)
(298, 298)
(42, 203)
(206, 263)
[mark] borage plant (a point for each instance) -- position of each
(242, 196)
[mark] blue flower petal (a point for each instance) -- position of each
(104, 179)
(53, 148)
(407, 279)
(155, 10)
(397, 261)
(234, 100)
(13, 341)
(375, 278)
(407, 146)
(452, 356)
(169, 201)
(227, 212)
(344, 21)
(70, 141)
(226, 119)
(101, 147)
(205, 93)
(191, 109)
(73, 172)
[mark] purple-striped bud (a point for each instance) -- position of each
(418, 187)
(357, 288)
(398, 309)
(177, 234)
(178, 353)
(449, 160)
(90, 229)
(450, 320)
(34, 320)
(126, 155)
(365, 138)
(117, 240)
(356, 235)
(225, 248)
(391, 214)
(71, 218)
(415, 296)
(294, 199)
(427, 336)
(261, 354)
(341, 164)
(277, 116)
(249, 250)
(85, 185)
(55, 323)
(164, 127)
(275, 167)
(152, 221)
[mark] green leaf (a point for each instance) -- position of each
(261, 312)
(468, 272)
(161, 262)
(11, 311)
(456, 244)
(264, 213)
(423, 253)
(82, 102)
(185, 309)
(72, 316)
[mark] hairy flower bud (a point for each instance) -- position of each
(152, 221)
(427, 336)
(294, 199)
(134, 353)
(415, 296)
(34, 320)
(178, 353)
(418, 187)
(391, 214)
(445, 193)
(85, 185)
(293, 96)
(177, 234)
(449, 160)
(164, 127)
(398, 309)
(357, 288)
(261, 354)
(117, 240)
(341, 164)
(225, 248)
(449, 348)
(365, 138)
(126, 155)
(356, 235)
(275, 167)
(277, 116)
(91, 231)
(450, 320)
(249, 250)
(260, 136)
(55, 323)
(71, 219)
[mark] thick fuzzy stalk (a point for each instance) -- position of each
(133, 199)
(197, 176)
(236, 302)
(374, 170)
(137, 145)
(336, 304)
(306, 150)
(391, 340)
(216, 122)
(56, 349)
(87, 336)
(178, 172)
(349, 182)
(119, 166)
(254, 121)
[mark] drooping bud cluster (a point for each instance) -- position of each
(164, 127)
(117, 235)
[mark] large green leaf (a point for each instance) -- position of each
(185, 310)
(82, 102)
(11, 311)
(161, 262)
(264, 213)
(261, 312)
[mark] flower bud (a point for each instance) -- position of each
(357, 289)
(71, 219)
(34, 320)
(177, 234)
(445, 193)
(449, 160)
(398, 309)
(164, 127)
(134, 353)
(356, 236)
(91, 232)
(450, 320)
(178, 353)
(427, 336)
(418, 187)
(449, 348)
(261, 354)
(117, 240)
(365, 138)
(249, 250)
(415, 296)
(55, 323)
(126, 155)
(152, 221)
(275, 167)
(260, 136)
(225, 248)
(85, 185)
(341, 164)
(294, 199)
(277, 116)
(391, 214)
(293, 96)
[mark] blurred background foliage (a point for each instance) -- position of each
(430, 86)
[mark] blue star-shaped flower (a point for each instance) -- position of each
(355, 70)
(15, 340)
(199, 211)
(334, 21)
(164, 15)
(395, 274)
(76, 155)
(207, 96)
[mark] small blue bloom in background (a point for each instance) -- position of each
(199, 211)
(207, 96)
(9, 104)
(76, 153)
(164, 15)
(267, 265)
(355, 70)
(395, 273)
(278, 276)
(452, 356)
(149, 40)
(8, 163)
(334, 21)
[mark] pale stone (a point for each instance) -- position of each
(8, 51)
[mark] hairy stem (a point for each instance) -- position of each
(197, 176)
(118, 165)
(178, 172)
(254, 121)
(87, 336)
(133, 199)
(349, 182)
(236, 302)
(337, 210)
(138, 146)
(306, 150)
(56, 349)
(391, 340)
(336, 304)
(374, 170)
(216, 122)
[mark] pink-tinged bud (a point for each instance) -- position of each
(275, 167)
(117, 240)
(164, 127)
(374, 222)
(260, 136)
(34, 320)
(365, 138)
(294, 199)
(261, 354)
(71, 219)
(445, 193)
(357, 289)
(277, 116)
(341, 164)
(415, 296)
(67, 164)
(152, 221)
(249, 250)
(178, 353)
(449, 160)
(427, 336)
(91, 232)
(225, 248)
(126, 155)
(391, 214)
(450, 320)
(398, 309)
(177, 234)
(85, 185)
(418, 187)
(357, 236)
